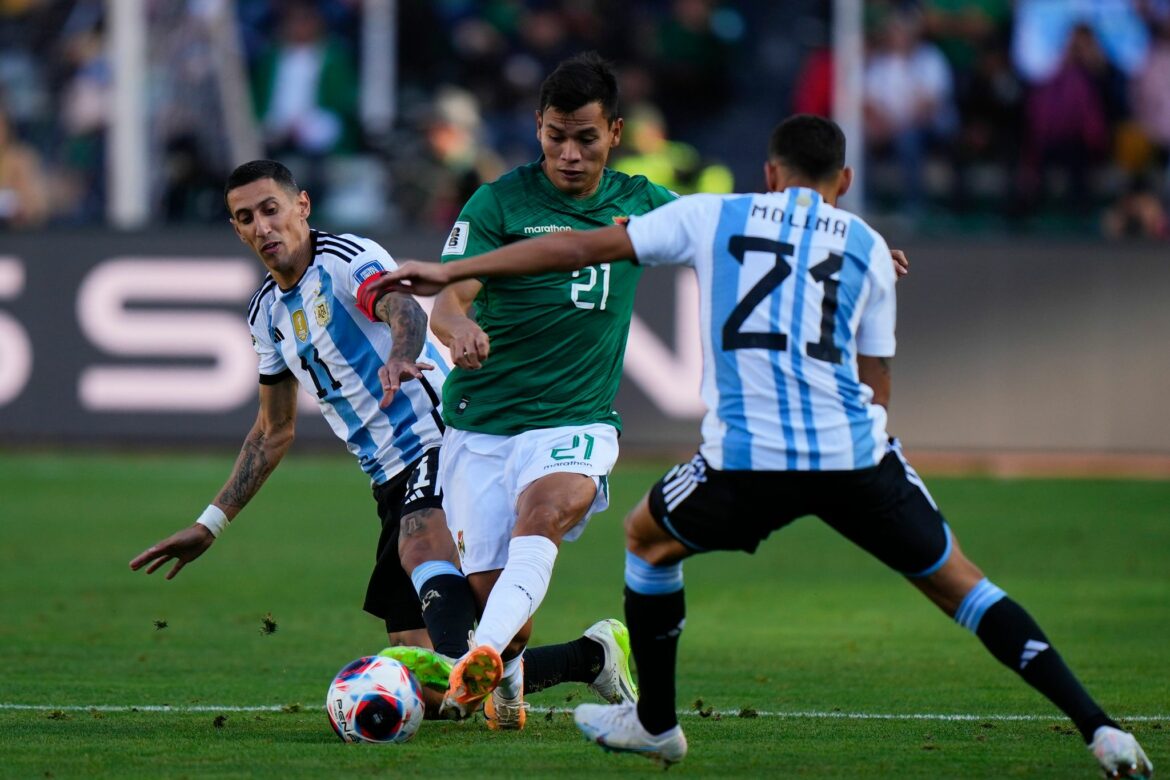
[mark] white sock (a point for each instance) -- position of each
(512, 683)
(519, 590)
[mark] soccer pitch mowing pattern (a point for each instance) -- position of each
(847, 671)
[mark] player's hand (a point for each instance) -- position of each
(469, 346)
(412, 277)
(901, 263)
(183, 547)
(395, 372)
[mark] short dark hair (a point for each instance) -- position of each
(579, 81)
(261, 169)
(811, 145)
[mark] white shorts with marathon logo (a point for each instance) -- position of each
(483, 475)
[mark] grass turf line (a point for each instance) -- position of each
(806, 625)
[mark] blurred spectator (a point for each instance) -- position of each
(691, 64)
(1068, 121)
(1151, 95)
(24, 199)
(85, 100)
(195, 145)
(973, 105)
(22, 78)
(192, 186)
(991, 103)
(646, 150)
(963, 28)
(305, 88)
(435, 181)
(813, 92)
(1042, 29)
(909, 101)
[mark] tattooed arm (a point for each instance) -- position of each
(264, 446)
(408, 327)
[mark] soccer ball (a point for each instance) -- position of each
(374, 699)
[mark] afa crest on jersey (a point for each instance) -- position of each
(321, 311)
(300, 325)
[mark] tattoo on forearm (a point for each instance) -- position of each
(252, 468)
(416, 523)
(408, 324)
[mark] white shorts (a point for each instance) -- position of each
(483, 476)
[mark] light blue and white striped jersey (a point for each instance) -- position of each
(791, 290)
(316, 331)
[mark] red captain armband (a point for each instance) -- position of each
(367, 298)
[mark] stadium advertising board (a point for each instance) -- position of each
(141, 339)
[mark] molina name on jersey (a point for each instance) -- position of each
(316, 332)
(792, 291)
(557, 339)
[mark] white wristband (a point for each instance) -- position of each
(213, 519)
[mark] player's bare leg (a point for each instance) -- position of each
(428, 555)
(547, 509)
(961, 590)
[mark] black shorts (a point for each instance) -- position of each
(885, 510)
(391, 595)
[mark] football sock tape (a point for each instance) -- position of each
(651, 580)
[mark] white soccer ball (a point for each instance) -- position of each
(375, 699)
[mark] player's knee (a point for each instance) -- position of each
(551, 521)
(646, 539)
(658, 552)
(639, 523)
(952, 583)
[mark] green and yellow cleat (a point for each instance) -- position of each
(614, 682)
(429, 668)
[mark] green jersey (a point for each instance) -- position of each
(557, 339)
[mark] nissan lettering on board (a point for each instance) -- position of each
(99, 342)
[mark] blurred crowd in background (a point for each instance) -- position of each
(980, 115)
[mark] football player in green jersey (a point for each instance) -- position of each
(532, 433)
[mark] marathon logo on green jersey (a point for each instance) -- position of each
(533, 230)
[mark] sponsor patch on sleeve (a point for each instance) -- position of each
(367, 270)
(457, 241)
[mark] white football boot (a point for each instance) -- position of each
(1120, 755)
(616, 728)
(614, 682)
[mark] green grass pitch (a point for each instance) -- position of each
(808, 634)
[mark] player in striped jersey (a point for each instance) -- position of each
(377, 379)
(314, 327)
(797, 305)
